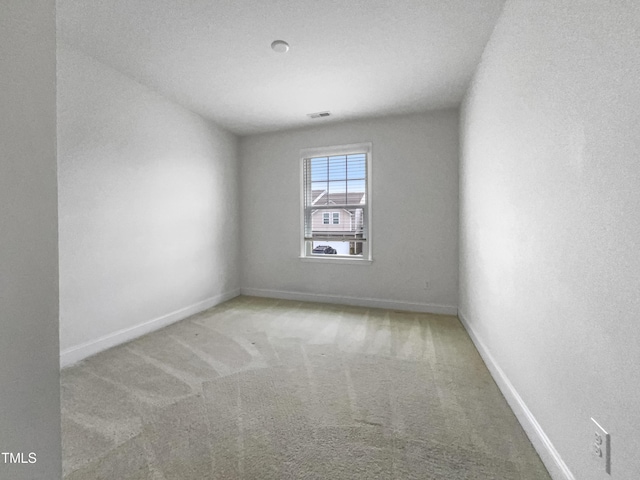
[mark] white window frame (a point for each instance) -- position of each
(306, 246)
(335, 215)
(327, 216)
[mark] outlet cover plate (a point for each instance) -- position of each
(601, 446)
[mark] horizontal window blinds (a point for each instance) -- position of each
(338, 185)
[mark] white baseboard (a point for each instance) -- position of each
(547, 452)
(74, 354)
(355, 301)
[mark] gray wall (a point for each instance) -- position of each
(148, 208)
(29, 376)
(550, 220)
(414, 201)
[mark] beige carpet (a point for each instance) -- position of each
(270, 389)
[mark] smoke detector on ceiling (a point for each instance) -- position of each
(318, 114)
(280, 46)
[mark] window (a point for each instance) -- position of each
(334, 215)
(336, 202)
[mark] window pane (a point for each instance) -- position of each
(357, 221)
(319, 169)
(337, 180)
(356, 191)
(357, 166)
(338, 167)
(319, 193)
(337, 193)
(356, 186)
(344, 225)
(337, 248)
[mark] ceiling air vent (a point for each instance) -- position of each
(318, 114)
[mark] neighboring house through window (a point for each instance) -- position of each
(336, 201)
(335, 216)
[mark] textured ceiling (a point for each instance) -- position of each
(355, 58)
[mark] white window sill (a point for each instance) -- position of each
(344, 260)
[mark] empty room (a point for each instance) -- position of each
(320, 239)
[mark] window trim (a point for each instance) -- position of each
(305, 251)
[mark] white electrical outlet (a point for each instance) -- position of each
(601, 446)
